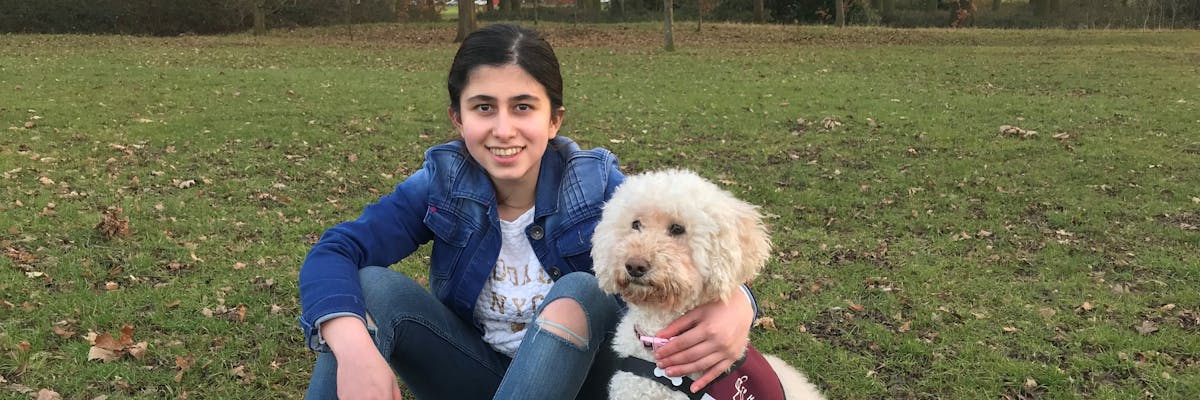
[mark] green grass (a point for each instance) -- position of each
(286, 135)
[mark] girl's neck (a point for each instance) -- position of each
(515, 200)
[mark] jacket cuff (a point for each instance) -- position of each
(337, 306)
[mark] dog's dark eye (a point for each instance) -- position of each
(677, 230)
(637, 225)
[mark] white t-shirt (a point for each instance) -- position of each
(518, 286)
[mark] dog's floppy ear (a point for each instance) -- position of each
(741, 246)
(753, 241)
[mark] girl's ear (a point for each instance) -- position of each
(556, 119)
(455, 119)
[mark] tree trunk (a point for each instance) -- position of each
(348, 18)
(931, 5)
(996, 5)
(888, 9)
(506, 6)
(758, 11)
(466, 19)
(699, 14)
(260, 18)
(1039, 7)
(668, 37)
(391, 7)
(840, 10)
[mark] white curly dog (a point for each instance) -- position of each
(667, 242)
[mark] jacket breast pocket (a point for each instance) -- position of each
(575, 245)
(451, 237)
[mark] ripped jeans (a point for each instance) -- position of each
(440, 356)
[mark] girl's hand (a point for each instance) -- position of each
(366, 377)
(362, 373)
(708, 339)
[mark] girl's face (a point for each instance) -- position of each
(506, 121)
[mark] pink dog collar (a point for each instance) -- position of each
(653, 343)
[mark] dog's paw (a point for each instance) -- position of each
(661, 373)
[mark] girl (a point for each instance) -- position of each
(512, 310)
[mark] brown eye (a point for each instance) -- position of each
(677, 230)
(637, 225)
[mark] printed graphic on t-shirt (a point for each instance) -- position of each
(517, 287)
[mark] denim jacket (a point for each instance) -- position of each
(451, 202)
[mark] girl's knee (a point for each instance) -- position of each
(565, 318)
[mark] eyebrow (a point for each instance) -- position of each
(489, 99)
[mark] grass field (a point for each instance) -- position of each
(919, 252)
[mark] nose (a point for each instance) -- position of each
(503, 127)
(637, 267)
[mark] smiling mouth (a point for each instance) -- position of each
(505, 151)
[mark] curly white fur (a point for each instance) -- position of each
(667, 242)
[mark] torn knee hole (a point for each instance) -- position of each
(565, 318)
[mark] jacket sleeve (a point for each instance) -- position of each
(386, 232)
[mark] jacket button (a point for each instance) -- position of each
(537, 232)
(555, 273)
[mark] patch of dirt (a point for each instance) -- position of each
(1186, 221)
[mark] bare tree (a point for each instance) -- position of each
(261, 9)
(759, 15)
(466, 19)
(840, 12)
(668, 16)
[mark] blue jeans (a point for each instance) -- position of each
(440, 356)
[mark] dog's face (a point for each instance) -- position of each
(671, 240)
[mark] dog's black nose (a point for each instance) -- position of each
(637, 267)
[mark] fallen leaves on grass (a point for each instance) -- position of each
(1009, 130)
(105, 348)
(241, 372)
(767, 323)
(237, 314)
(112, 225)
(47, 394)
(1146, 328)
(182, 364)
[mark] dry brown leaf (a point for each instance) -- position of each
(1087, 306)
(47, 394)
(111, 224)
(105, 355)
(110, 286)
(46, 181)
(767, 323)
(106, 341)
(19, 388)
(183, 364)
(907, 326)
(63, 333)
(1008, 329)
(854, 306)
(1046, 312)
(138, 350)
(1147, 327)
